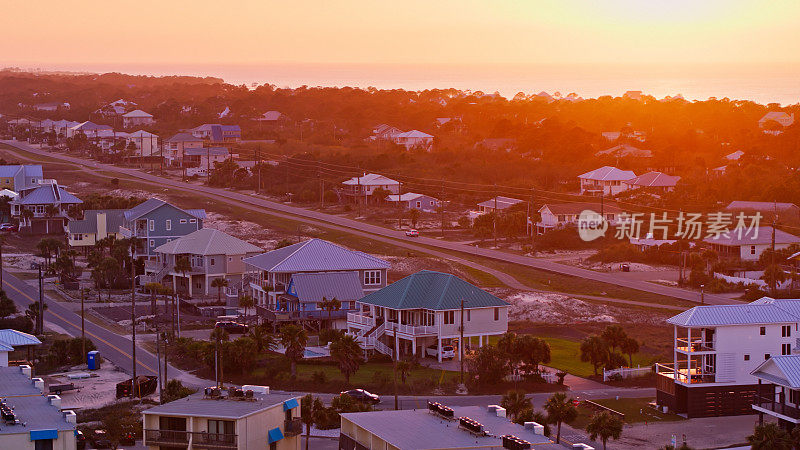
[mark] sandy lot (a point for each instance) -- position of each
(94, 392)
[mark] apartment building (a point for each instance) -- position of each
(715, 351)
(425, 310)
(31, 419)
(290, 282)
(243, 418)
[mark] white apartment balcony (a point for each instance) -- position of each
(695, 346)
(126, 232)
(411, 330)
(360, 321)
(686, 376)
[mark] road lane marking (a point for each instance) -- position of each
(78, 328)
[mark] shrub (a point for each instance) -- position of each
(319, 377)
(19, 323)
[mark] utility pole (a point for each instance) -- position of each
(461, 342)
(134, 384)
(774, 281)
(399, 206)
(158, 359)
(494, 216)
(40, 319)
(394, 364)
(530, 218)
(1, 263)
(441, 206)
(258, 163)
(83, 329)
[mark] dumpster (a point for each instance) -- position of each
(93, 360)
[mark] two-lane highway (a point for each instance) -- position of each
(112, 346)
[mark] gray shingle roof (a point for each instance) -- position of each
(115, 218)
(311, 287)
(46, 195)
(30, 406)
(788, 366)
(432, 290)
(418, 429)
(762, 311)
(207, 241)
(754, 236)
(315, 255)
(197, 406)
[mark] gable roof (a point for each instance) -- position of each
(787, 366)
(207, 241)
(579, 207)
(502, 202)
(434, 291)
(312, 287)
(370, 179)
(184, 137)
(763, 311)
(407, 197)
(626, 150)
(142, 134)
(16, 338)
(137, 113)
(413, 134)
(315, 255)
(778, 116)
(760, 206)
(152, 204)
(754, 236)
(114, 219)
(271, 115)
(90, 126)
(608, 173)
(654, 179)
(48, 194)
(207, 151)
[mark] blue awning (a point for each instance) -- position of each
(38, 435)
(274, 435)
(289, 404)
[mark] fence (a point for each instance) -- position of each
(627, 372)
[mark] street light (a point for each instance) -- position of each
(702, 299)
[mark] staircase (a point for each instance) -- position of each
(158, 276)
(371, 339)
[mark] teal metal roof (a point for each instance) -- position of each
(432, 290)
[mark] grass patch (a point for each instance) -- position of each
(636, 410)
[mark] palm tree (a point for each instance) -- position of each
(595, 351)
(769, 437)
(294, 339)
(310, 408)
(154, 288)
(515, 402)
(614, 335)
(403, 368)
(219, 335)
(183, 266)
(604, 425)
(348, 355)
(330, 305)
(560, 409)
(262, 339)
(219, 283)
(413, 216)
(50, 211)
(246, 302)
(629, 347)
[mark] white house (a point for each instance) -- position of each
(606, 180)
(559, 215)
(146, 143)
(734, 156)
(779, 389)
(427, 310)
(411, 200)
(625, 151)
(137, 118)
(782, 118)
(717, 348)
(750, 243)
(498, 203)
(364, 186)
(414, 139)
(653, 181)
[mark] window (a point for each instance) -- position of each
(752, 249)
(794, 396)
(183, 220)
(449, 317)
(212, 261)
(43, 444)
(169, 224)
(561, 217)
(221, 427)
(419, 204)
(766, 356)
(192, 220)
(152, 243)
(152, 225)
(786, 349)
(786, 331)
(230, 258)
(469, 316)
(372, 277)
(763, 331)
(497, 314)
(747, 357)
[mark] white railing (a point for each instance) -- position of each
(413, 330)
(361, 320)
(383, 348)
(627, 372)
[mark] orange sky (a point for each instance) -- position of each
(667, 32)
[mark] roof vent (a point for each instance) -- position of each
(263, 390)
(497, 409)
(512, 442)
(70, 417)
(38, 383)
(535, 427)
(26, 370)
(471, 425)
(55, 400)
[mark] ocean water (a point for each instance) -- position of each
(760, 83)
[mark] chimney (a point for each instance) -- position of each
(26, 370)
(55, 400)
(39, 383)
(70, 416)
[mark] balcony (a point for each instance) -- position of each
(772, 407)
(359, 319)
(697, 345)
(182, 439)
(293, 427)
(412, 330)
(683, 375)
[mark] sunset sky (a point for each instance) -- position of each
(49, 33)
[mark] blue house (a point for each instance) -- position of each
(17, 177)
(306, 292)
(156, 222)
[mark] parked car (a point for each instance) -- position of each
(8, 228)
(412, 233)
(232, 327)
(448, 351)
(80, 440)
(362, 396)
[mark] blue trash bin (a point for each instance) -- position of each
(93, 360)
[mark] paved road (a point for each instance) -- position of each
(383, 234)
(112, 346)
